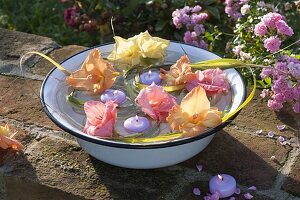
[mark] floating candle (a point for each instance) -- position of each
(136, 124)
(114, 95)
(224, 185)
(149, 77)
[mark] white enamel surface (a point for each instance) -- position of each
(145, 158)
(54, 94)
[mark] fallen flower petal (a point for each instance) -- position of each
(259, 131)
(281, 139)
(237, 191)
(196, 191)
(281, 127)
(248, 196)
(232, 198)
(199, 167)
(252, 188)
(271, 134)
(273, 158)
(215, 196)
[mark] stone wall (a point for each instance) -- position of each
(53, 166)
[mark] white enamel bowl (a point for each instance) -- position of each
(138, 156)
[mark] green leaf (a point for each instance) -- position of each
(160, 25)
(208, 2)
(214, 11)
(223, 63)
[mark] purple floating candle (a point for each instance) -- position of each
(114, 95)
(224, 185)
(149, 77)
(136, 124)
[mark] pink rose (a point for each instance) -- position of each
(212, 80)
(155, 102)
(100, 118)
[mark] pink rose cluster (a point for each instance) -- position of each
(193, 20)
(236, 8)
(273, 23)
(285, 83)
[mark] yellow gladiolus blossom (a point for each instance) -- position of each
(131, 51)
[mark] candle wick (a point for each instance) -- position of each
(149, 73)
(220, 177)
(136, 118)
(115, 92)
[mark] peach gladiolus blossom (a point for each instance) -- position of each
(100, 118)
(6, 142)
(95, 75)
(212, 80)
(179, 73)
(194, 115)
(155, 102)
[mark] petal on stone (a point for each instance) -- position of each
(252, 188)
(196, 191)
(259, 131)
(281, 127)
(199, 167)
(271, 134)
(237, 191)
(248, 196)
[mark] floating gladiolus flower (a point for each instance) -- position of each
(126, 51)
(95, 75)
(194, 115)
(131, 51)
(152, 47)
(212, 80)
(100, 118)
(179, 73)
(155, 102)
(6, 141)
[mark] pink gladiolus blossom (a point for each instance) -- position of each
(100, 118)
(212, 80)
(272, 44)
(155, 102)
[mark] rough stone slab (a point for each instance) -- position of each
(14, 44)
(244, 156)
(204, 188)
(63, 165)
(16, 187)
(256, 115)
(20, 101)
(59, 55)
(292, 183)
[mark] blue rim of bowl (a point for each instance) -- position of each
(107, 142)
